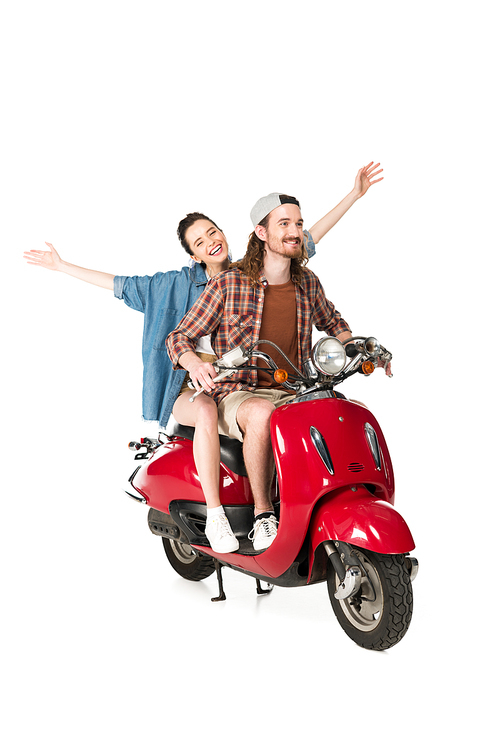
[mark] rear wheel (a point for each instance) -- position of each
(186, 561)
(379, 614)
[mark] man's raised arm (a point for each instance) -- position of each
(364, 180)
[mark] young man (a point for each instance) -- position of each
(176, 291)
(268, 295)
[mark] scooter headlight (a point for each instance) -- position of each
(329, 356)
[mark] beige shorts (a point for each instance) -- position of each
(228, 408)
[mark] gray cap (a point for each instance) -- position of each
(265, 205)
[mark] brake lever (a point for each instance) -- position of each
(386, 358)
(386, 364)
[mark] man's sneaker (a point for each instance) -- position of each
(221, 537)
(264, 531)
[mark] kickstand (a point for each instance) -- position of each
(263, 591)
(222, 595)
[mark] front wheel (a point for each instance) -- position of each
(186, 562)
(379, 614)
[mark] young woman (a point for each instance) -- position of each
(164, 299)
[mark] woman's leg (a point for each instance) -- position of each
(202, 415)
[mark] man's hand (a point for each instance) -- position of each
(386, 365)
(365, 178)
(200, 372)
(202, 376)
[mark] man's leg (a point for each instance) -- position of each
(246, 415)
(253, 418)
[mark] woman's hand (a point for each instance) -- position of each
(45, 259)
(51, 261)
(364, 178)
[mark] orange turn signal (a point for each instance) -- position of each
(368, 367)
(280, 375)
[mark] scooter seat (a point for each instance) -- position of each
(231, 451)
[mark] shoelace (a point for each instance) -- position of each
(224, 527)
(267, 526)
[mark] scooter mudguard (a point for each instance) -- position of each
(360, 519)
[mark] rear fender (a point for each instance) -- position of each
(359, 519)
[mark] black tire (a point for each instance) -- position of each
(186, 561)
(381, 623)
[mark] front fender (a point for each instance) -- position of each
(358, 518)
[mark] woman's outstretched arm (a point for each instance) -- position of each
(51, 260)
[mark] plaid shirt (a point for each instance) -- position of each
(230, 309)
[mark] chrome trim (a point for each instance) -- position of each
(353, 364)
(372, 439)
(318, 395)
(310, 369)
(136, 497)
(319, 443)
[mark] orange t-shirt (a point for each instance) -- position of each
(279, 325)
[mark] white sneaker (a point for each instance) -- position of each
(220, 536)
(264, 532)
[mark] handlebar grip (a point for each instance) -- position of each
(351, 350)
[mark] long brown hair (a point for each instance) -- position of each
(252, 262)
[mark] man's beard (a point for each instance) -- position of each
(277, 245)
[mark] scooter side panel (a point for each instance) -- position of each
(302, 475)
(360, 519)
(171, 474)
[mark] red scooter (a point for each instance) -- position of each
(333, 495)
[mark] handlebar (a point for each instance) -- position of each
(359, 349)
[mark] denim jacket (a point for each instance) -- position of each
(164, 299)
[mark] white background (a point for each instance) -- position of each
(118, 119)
